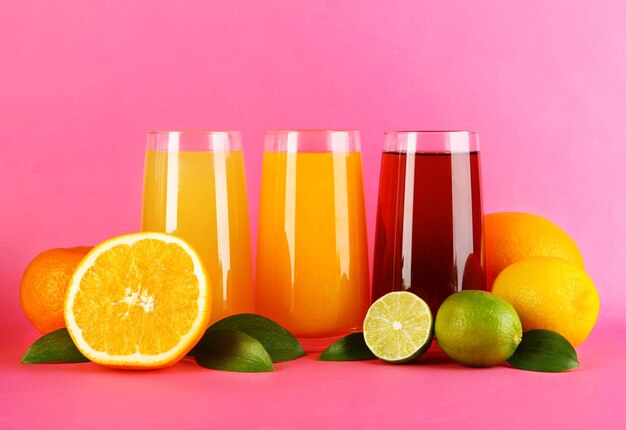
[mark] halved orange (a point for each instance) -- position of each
(138, 301)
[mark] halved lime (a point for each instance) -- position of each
(398, 327)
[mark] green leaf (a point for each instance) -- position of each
(348, 348)
(54, 347)
(233, 351)
(277, 341)
(544, 351)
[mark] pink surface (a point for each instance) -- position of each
(81, 83)
(437, 394)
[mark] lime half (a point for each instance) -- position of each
(398, 327)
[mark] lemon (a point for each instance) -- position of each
(551, 293)
(398, 327)
(477, 328)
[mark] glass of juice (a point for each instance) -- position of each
(312, 264)
(429, 234)
(195, 188)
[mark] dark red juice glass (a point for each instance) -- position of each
(429, 224)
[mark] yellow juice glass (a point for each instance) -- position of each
(195, 188)
(312, 265)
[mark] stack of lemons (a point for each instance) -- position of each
(536, 267)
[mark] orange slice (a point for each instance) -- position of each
(138, 301)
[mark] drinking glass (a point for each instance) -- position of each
(312, 265)
(429, 224)
(195, 188)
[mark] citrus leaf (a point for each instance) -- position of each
(233, 351)
(277, 341)
(54, 347)
(348, 348)
(544, 351)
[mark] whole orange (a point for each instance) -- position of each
(515, 236)
(44, 283)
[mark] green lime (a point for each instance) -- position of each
(398, 327)
(477, 328)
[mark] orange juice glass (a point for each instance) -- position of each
(195, 188)
(312, 265)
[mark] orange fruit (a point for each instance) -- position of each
(141, 300)
(43, 286)
(551, 293)
(516, 236)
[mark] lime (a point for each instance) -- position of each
(477, 328)
(398, 327)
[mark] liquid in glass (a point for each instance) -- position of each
(312, 266)
(201, 196)
(429, 225)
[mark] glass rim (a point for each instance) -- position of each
(192, 131)
(194, 140)
(310, 131)
(432, 141)
(432, 132)
(312, 140)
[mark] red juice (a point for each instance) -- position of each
(429, 237)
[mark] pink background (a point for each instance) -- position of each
(544, 82)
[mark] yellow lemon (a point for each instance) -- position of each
(551, 293)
